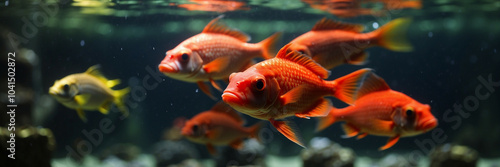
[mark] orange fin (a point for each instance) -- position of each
(328, 24)
(222, 107)
(211, 149)
(237, 144)
(392, 35)
(372, 83)
(215, 26)
(328, 120)
(349, 130)
(358, 59)
(217, 65)
(303, 60)
(293, 95)
(362, 135)
(346, 87)
(268, 45)
(206, 90)
(215, 84)
(321, 109)
(393, 140)
(289, 130)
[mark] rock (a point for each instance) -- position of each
(173, 152)
(33, 147)
(453, 155)
(125, 152)
(323, 152)
(187, 163)
(252, 154)
(396, 160)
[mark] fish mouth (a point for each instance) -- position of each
(428, 124)
(231, 98)
(53, 92)
(167, 68)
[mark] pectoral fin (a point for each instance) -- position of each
(321, 109)
(206, 90)
(215, 85)
(82, 99)
(393, 140)
(81, 114)
(217, 65)
(293, 95)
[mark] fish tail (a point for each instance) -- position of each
(325, 122)
(268, 45)
(120, 97)
(254, 130)
(346, 88)
(392, 35)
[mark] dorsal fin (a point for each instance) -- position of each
(222, 107)
(215, 26)
(303, 60)
(372, 83)
(328, 24)
(94, 71)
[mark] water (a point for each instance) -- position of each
(456, 47)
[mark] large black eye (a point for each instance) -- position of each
(184, 56)
(66, 88)
(195, 128)
(259, 84)
(410, 113)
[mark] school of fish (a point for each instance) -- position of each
(289, 83)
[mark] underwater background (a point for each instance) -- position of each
(455, 56)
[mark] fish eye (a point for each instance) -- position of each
(184, 56)
(259, 84)
(195, 128)
(410, 113)
(66, 88)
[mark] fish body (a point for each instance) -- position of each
(219, 6)
(382, 111)
(332, 43)
(214, 54)
(291, 84)
(219, 126)
(88, 91)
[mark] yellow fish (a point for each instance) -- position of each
(89, 91)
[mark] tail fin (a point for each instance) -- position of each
(325, 122)
(392, 35)
(268, 45)
(254, 130)
(120, 96)
(346, 87)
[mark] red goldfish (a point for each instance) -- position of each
(219, 6)
(290, 84)
(381, 111)
(214, 54)
(220, 125)
(332, 43)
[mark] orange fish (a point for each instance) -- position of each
(381, 111)
(332, 43)
(290, 84)
(214, 54)
(220, 125)
(219, 6)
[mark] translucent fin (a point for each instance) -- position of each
(321, 109)
(120, 98)
(112, 83)
(289, 130)
(358, 59)
(303, 60)
(362, 135)
(372, 83)
(328, 24)
(393, 140)
(217, 65)
(393, 35)
(82, 99)
(215, 26)
(222, 107)
(236, 144)
(211, 149)
(346, 87)
(293, 95)
(215, 84)
(268, 45)
(326, 121)
(349, 130)
(81, 114)
(205, 89)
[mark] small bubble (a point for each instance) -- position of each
(6, 3)
(375, 25)
(82, 43)
(171, 104)
(153, 48)
(196, 90)
(430, 34)
(121, 48)
(495, 50)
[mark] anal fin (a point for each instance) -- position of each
(215, 85)
(237, 144)
(211, 149)
(358, 59)
(362, 135)
(81, 114)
